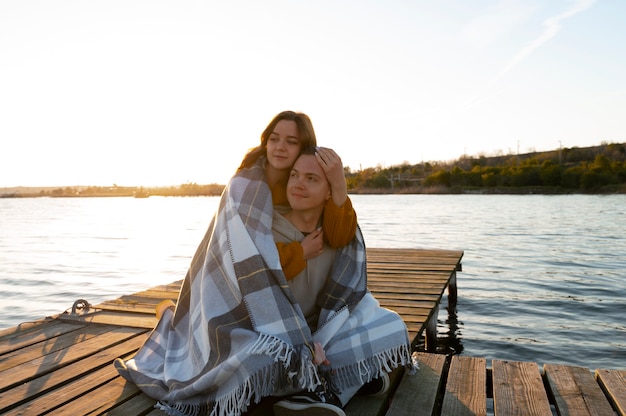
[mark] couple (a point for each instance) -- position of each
(275, 302)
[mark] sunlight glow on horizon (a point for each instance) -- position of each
(164, 93)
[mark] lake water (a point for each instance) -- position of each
(544, 277)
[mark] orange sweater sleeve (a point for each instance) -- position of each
(339, 223)
(291, 258)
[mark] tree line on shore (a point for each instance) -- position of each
(187, 189)
(597, 169)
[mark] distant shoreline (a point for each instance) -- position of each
(216, 190)
(110, 191)
(592, 170)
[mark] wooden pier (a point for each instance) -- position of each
(63, 364)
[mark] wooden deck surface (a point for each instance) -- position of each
(63, 365)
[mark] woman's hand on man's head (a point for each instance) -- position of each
(333, 168)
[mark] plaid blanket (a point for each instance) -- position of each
(237, 334)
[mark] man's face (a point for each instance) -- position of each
(308, 187)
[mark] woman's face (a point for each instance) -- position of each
(283, 145)
(308, 187)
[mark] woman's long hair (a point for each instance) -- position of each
(306, 136)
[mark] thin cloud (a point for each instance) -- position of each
(497, 22)
(552, 26)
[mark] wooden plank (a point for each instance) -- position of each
(397, 269)
(139, 307)
(466, 387)
(25, 335)
(414, 330)
(399, 279)
(137, 405)
(385, 269)
(423, 254)
(413, 311)
(23, 391)
(412, 261)
(127, 319)
(416, 320)
(416, 394)
(59, 359)
(22, 328)
(67, 392)
(435, 289)
(374, 406)
(51, 345)
(380, 295)
(575, 391)
(102, 400)
(415, 286)
(408, 279)
(146, 296)
(518, 389)
(406, 255)
(391, 303)
(613, 383)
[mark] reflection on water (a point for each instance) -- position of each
(451, 341)
(449, 334)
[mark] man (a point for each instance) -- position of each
(308, 191)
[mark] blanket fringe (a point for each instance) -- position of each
(274, 347)
(301, 373)
(373, 367)
(286, 372)
(309, 375)
(256, 387)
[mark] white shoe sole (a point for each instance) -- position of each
(287, 408)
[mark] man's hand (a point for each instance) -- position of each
(313, 244)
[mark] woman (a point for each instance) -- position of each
(224, 345)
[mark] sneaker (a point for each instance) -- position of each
(378, 387)
(320, 402)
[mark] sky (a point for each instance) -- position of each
(161, 93)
